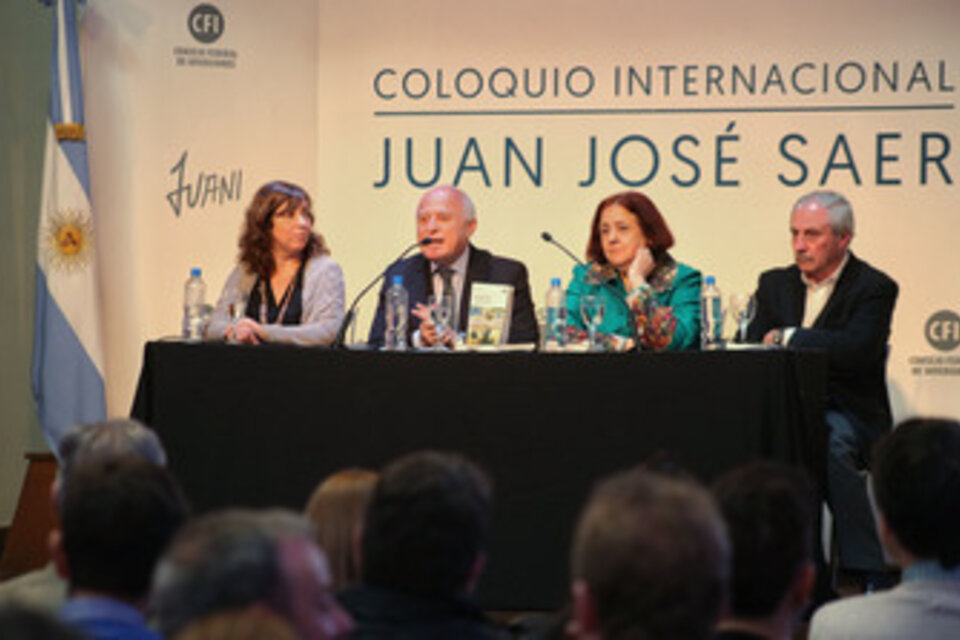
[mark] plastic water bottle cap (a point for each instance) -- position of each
(196, 272)
(554, 282)
(398, 280)
(710, 280)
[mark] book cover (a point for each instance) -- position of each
(491, 306)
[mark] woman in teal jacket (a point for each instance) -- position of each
(627, 251)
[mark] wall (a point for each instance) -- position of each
(25, 29)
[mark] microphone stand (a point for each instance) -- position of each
(338, 342)
(631, 315)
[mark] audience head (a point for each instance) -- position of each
(446, 215)
(426, 526)
(240, 558)
(644, 227)
(120, 438)
(336, 509)
(650, 559)
(23, 623)
(769, 511)
(916, 486)
(280, 217)
(249, 623)
(116, 519)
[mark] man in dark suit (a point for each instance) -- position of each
(830, 299)
(447, 217)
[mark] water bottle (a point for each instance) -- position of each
(194, 299)
(711, 315)
(555, 327)
(395, 338)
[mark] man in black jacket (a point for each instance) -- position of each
(830, 299)
(446, 216)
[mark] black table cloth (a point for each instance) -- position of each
(261, 426)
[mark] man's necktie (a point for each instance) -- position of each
(446, 275)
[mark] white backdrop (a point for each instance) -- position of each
(724, 113)
(239, 125)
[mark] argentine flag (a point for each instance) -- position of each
(67, 372)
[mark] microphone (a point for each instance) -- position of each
(631, 316)
(547, 237)
(338, 342)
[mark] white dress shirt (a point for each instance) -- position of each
(816, 298)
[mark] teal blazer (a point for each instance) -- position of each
(673, 287)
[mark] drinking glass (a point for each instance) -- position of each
(592, 308)
(441, 312)
(743, 306)
(238, 309)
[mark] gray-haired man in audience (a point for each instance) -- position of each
(113, 439)
(239, 558)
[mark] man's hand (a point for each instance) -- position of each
(428, 330)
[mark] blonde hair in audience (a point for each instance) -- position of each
(251, 623)
(337, 508)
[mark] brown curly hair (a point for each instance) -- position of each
(256, 242)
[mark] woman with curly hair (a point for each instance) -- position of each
(286, 288)
(628, 254)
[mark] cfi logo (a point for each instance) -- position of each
(943, 330)
(206, 23)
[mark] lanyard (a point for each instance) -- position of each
(284, 301)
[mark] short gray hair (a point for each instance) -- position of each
(838, 208)
(224, 560)
(120, 438)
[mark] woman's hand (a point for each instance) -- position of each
(642, 266)
(246, 331)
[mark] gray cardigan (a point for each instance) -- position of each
(323, 294)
